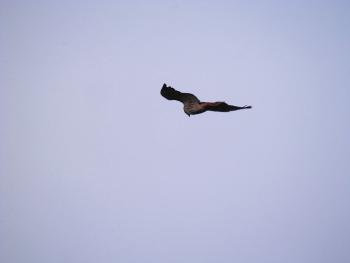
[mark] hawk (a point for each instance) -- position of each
(192, 105)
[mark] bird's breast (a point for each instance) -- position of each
(193, 108)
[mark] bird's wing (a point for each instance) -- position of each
(222, 106)
(172, 94)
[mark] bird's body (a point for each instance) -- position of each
(193, 108)
(192, 105)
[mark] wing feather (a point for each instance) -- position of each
(172, 94)
(223, 107)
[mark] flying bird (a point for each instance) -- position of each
(192, 105)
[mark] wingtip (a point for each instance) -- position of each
(163, 90)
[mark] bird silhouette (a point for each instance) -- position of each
(192, 105)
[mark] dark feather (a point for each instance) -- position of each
(224, 107)
(172, 94)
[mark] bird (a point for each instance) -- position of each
(193, 106)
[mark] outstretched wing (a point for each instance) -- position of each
(223, 107)
(172, 94)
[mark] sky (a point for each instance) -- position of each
(96, 166)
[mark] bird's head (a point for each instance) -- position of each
(187, 113)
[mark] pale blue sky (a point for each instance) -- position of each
(95, 166)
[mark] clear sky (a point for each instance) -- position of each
(95, 166)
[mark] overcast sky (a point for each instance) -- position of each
(96, 166)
